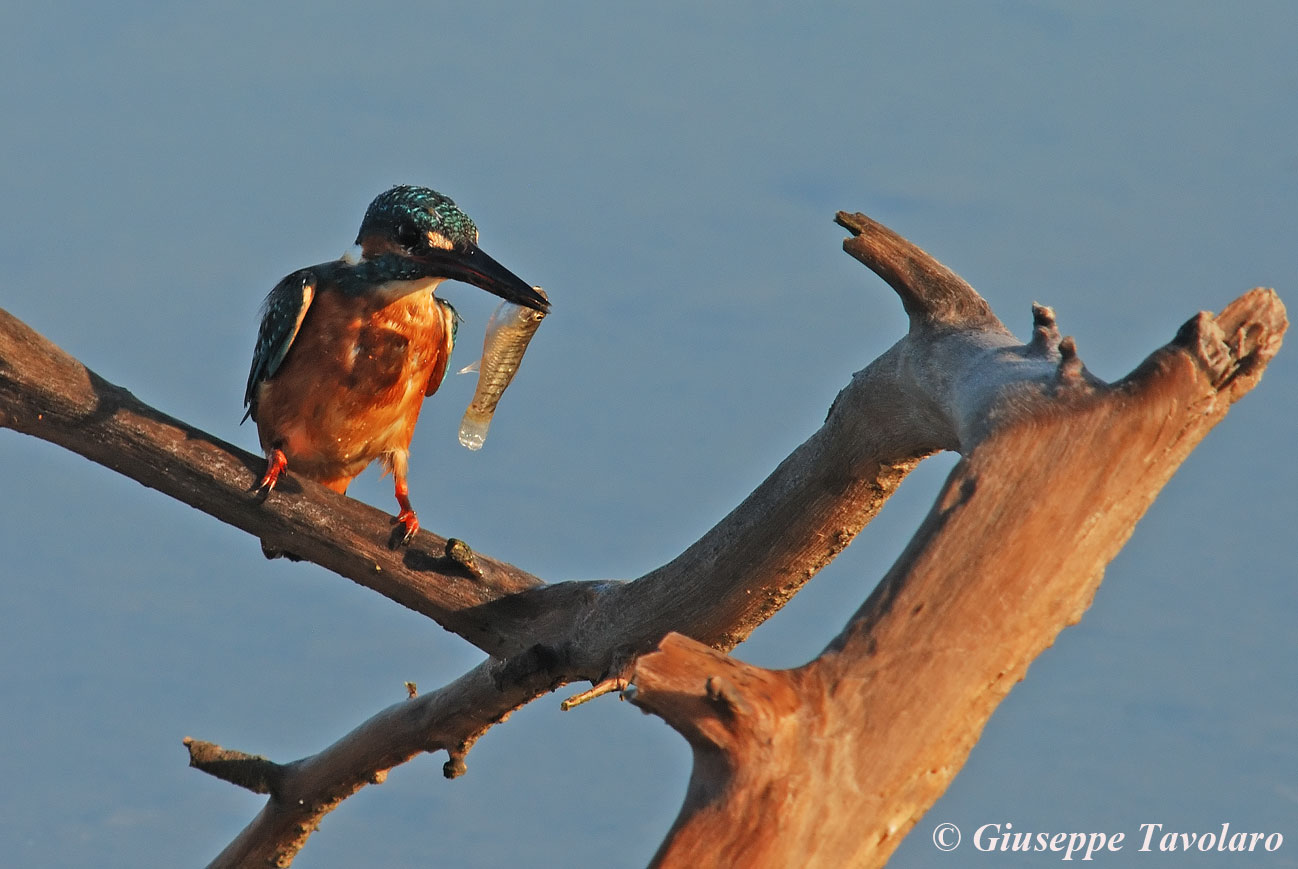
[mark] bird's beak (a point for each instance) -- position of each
(471, 265)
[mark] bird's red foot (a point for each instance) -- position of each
(276, 462)
(407, 520)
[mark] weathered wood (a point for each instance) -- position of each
(851, 749)
(46, 393)
(957, 380)
(451, 719)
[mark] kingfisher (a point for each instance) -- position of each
(348, 350)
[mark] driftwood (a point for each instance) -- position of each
(847, 751)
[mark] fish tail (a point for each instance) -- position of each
(473, 428)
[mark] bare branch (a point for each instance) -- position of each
(46, 393)
(826, 491)
(250, 771)
(607, 686)
(451, 718)
(956, 381)
(932, 294)
(872, 732)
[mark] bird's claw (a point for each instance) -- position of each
(276, 462)
(408, 521)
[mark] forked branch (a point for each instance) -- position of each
(958, 380)
(851, 749)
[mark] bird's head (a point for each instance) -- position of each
(428, 229)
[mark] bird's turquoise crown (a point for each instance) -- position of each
(418, 216)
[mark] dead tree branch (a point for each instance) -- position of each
(958, 380)
(851, 749)
(303, 792)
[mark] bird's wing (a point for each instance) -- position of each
(450, 325)
(281, 318)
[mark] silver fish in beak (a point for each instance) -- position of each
(509, 331)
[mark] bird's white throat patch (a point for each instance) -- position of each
(393, 290)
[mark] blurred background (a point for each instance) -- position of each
(669, 173)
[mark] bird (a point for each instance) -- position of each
(347, 350)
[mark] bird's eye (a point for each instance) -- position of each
(409, 236)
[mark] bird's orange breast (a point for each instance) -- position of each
(351, 387)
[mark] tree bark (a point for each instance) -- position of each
(847, 751)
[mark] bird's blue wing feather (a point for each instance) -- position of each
(281, 318)
(450, 326)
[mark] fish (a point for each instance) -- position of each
(508, 333)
